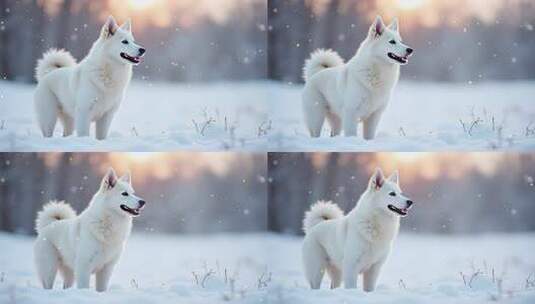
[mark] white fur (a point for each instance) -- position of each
(357, 243)
(90, 243)
(90, 91)
(319, 212)
(358, 90)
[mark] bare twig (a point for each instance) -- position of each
(264, 128)
(263, 280)
(530, 281)
(201, 279)
(201, 127)
(134, 131)
(529, 130)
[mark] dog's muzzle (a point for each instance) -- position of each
(400, 211)
(132, 59)
(401, 60)
(132, 211)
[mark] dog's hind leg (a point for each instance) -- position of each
(315, 110)
(314, 262)
(335, 122)
(46, 109)
(336, 276)
(46, 261)
(68, 276)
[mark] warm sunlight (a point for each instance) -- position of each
(141, 4)
(141, 157)
(410, 4)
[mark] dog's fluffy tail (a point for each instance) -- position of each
(319, 60)
(52, 212)
(319, 212)
(53, 59)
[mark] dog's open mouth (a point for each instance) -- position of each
(134, 60)
(401, 212)
(133, 212)
(401, 60)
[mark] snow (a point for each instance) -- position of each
(158, 269)
(153, 269)
(421, 269)
(153, 117)
(265, 115)
(422, 117)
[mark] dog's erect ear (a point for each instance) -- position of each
(127, 178)
(377, 180)
(109, 181)
(127, 26)
(109, 28)
(377, 28)
(394, 177)
(394, 25)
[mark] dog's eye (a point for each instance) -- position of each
(392, 193)
(124, 41)
(124, 193)
(392, 41)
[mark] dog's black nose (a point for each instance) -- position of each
(141, 203)
(409, 51)
(409, 203)
(142, 51)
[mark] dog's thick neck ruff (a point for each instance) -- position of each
(108, 73)
(107, 225)
(372, 72)
(378, 224)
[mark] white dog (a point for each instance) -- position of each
(92, 90)
(90, 243)
(358, 90)
(357, 243)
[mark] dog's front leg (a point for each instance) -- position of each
(370, 124)
(83, 121)
(371, 276)
(83, 273)
(349, 122)
(352, 264)
(103, 276)
(103, 125)
(85, 257)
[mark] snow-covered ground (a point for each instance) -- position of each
(266, 116)
(422, 269)
(153, 269)
(422, 117)
(153, 117)
(267, 269)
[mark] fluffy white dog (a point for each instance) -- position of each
(357, 243)
(359, 90)
(90, 91)
(90, 243)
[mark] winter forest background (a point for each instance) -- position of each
(454, 40)
(187, 40)
(453, 192)
(203, 40)
(185, 192)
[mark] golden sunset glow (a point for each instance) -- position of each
(142, 4)
(410, 4)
